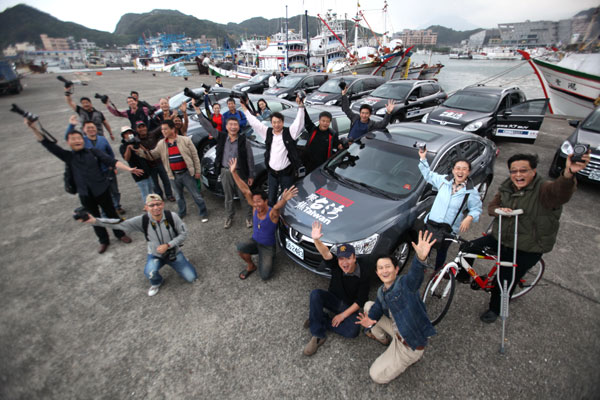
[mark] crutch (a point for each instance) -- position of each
(505, 288)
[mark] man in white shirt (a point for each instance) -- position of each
(273, 80)
(281, 156)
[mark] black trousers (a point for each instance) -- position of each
(525, 260)
(91, 203)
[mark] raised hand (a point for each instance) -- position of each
(423, 247)
(575, 167)
(316, 232)
(74, 120)
(390, 106)
(232, 165)
(287, 194)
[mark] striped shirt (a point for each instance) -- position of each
(175, 158)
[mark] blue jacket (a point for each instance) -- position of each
(239, 115)
(446, 205)
(407, 308)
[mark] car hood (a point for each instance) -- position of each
(455, 116)
(241, 85)
(342, 209)
(587, 137)
(375, 102)
(276, 91)
(322, 98)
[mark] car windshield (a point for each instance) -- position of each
(392, 91)
(289, 81)
(333, 85)
(257, 78)
(592, 123)
(473, 101)
(379, 166)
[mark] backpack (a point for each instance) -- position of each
(170, 223)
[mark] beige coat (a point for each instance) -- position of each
(186, 148)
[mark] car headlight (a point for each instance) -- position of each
(362, 247)
(381, 111)
(473, 126)
(331, 103)
(282, 95)
(425, 118)
(245, 88)
(566, 147)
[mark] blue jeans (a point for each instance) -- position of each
(266, 256)
(274, 181)
(183, 267)
(145, 186)
(187, 181)
(157, 171)
(320, 321)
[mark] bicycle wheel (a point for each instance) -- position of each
(437, 302)
(529, 280)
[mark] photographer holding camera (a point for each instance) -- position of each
(134, 114)
(130, 142)
(87, 112)
(165, 232)
(90, 182)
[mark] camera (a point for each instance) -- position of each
(301, 94)
(342, 85)
(190, 93)
(170, 254)
(422, 146)
(67, 82)
(206, 87)
(134, 140)
(80, 213)
(240, 95)
(579, 150)
(30, 116)
(103, 97)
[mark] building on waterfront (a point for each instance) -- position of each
(419, 37)
(204, 40)
(18, 48)
(486, 37)
(84, 44)
(56, 44)
(536, 33)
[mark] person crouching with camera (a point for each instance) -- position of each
(165, 233)
(129, 143)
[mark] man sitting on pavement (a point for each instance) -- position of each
(400, 313)
(348, 291)
(180, 155)
(265, 220)
(91, 183)
(165, 233)
(281, 154)
(361, 123)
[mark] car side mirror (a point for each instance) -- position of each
(412, 98)
(574, 123)
(507, 113)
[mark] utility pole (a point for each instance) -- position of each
(307, 39)
(287, 56)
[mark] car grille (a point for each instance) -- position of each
(444, 123)
(312, 257)
(593, 166)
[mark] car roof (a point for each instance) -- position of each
(411, 82)
(408, 133)
(488, 89)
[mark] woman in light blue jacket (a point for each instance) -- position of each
(452, 190)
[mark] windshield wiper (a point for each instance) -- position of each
(375, 190)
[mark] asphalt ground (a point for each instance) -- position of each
(78, 325)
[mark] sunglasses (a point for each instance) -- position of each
(154, 205)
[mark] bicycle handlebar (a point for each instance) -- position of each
(508, 214)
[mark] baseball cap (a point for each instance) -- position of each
(345, 250)
(125, 129)
(138, 123)
(153, 197)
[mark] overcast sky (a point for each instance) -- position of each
(459, 14)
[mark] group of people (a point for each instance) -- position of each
(155, 146)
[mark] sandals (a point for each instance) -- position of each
(245, 274)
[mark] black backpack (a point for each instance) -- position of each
(170, 223)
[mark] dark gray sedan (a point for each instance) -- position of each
(371, 194)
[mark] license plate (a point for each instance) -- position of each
(205, 180)
(595, 175)
(294, 249)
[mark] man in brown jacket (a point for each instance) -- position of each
(180, 156)
(541, 202)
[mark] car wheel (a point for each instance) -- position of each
(203, 147)
(261, 184)
(402, 252)
(483, 188)
(398, 118)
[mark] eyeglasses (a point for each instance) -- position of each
(154, 205)
(519, 171)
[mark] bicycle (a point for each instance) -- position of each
(439, 291)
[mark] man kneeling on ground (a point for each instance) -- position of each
(264, 224)
(399, 312)
(165, 232)
(348, 291)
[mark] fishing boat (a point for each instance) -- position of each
(572, 84)
(328, 44)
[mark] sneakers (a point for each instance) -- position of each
(313, 345)
(488, 317)
(248, 223)
(204, 219)
(227, 223)
(153, 290)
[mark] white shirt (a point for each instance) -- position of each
(272, 81)
(279, 154)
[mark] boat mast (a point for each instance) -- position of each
(287, 58)
(307, 39)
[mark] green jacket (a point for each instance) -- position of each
(541, 202)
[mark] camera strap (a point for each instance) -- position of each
(169, 222)
(47, 134)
